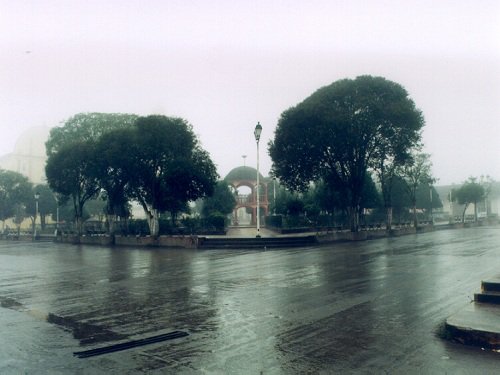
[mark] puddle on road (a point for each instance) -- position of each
(10, 303)
(86, 333)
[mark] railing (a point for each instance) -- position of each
(244, 199)
(249, 199)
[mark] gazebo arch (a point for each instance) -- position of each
(247, 176)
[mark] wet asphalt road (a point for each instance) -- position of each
(371, 308)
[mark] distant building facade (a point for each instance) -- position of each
(488, 207)
(29, 157)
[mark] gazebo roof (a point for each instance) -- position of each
(243, 173)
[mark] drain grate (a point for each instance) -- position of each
(130, 344)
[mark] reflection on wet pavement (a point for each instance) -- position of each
(363, 307)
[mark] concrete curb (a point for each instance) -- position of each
(478, 323)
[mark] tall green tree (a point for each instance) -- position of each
(73, 160)
(329, 200)
(279, 203)
(340, 132)
(414, 174)
(70, 173)
(86, 127)
(370, 196)
(400, 200)
(113, 171)
(428, 198)
(67, 214)
(386, 173)
(169, 167)
(470, 192)
(15, 191)
(47, 204)
(222, 201)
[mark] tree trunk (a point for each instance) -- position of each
(415, 218)
(79, 225)
(153, 222)
(389, 218)
(463, 213)
(78, 206)
(353, 218)
(111, 224)
(152, 217)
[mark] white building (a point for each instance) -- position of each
(29, 157)
(488, 207)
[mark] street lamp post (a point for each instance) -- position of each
(37, 196)
(257, 131)
(274, 195)
(57, 216)
(432, 181)
(432, 217)
(452, 218)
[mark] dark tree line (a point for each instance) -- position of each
(154, 160)
(18, 202)
(322, 206)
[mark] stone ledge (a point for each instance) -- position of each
(477, 324)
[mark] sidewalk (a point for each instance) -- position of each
(249, 232)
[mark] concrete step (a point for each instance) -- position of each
(256, 243)
(487, 297)
(490, 285)
(477, 324)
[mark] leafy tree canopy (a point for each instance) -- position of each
(415, 173)
(15, 191)
(222, 201)
(341, 131)
(169, 166)
(424, 194)
(73, 163)
(112, 169)
(85, 127)
(470, 192)
(69, 173)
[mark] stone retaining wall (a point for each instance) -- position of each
(186, 242)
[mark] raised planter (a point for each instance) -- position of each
(186, 242)
(96, 240)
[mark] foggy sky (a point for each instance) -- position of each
(224, 65)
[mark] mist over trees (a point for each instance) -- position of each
(341, 132)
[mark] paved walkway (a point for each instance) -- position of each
(250, 232)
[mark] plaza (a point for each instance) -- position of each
(359, 307)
